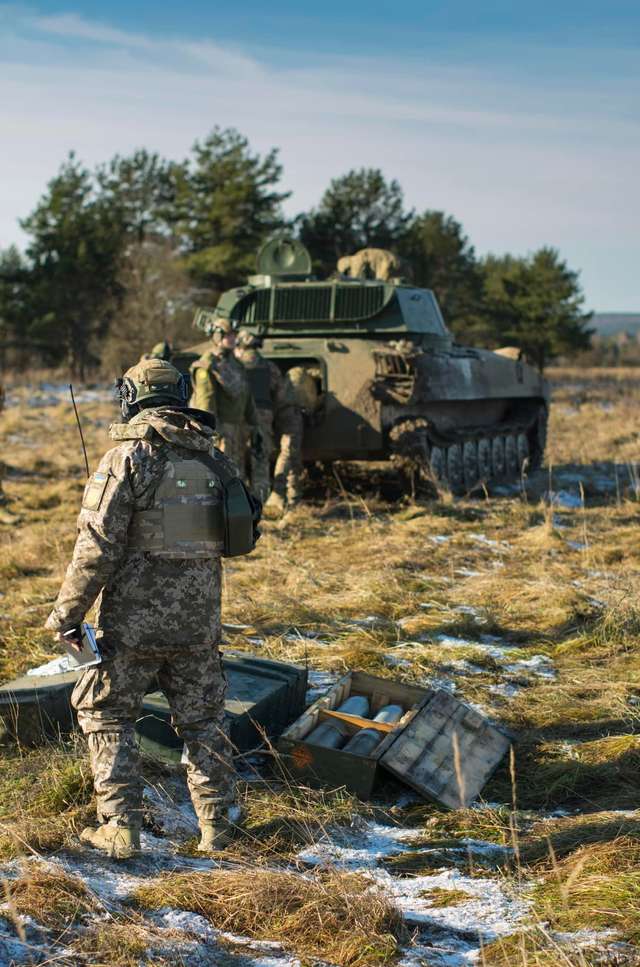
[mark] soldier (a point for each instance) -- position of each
(149, 549)
(221, 386)
(302, 393)
(272, 398)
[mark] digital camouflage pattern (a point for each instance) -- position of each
(108, 700)
(156, 615)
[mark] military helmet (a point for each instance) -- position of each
(248, 340)
(214, 325)
(152, 379)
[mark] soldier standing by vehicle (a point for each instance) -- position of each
(272, 398)
(221, 387)
(302, 395)
(151, 533)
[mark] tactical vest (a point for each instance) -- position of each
(199, 510)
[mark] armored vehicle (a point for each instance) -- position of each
(390, 381)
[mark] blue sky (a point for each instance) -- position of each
(523, 123)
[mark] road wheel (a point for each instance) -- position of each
(455, 469)
(438, 464)
(498, 465)
(538, 438)
(511, 456)
(470, 464)
(484, 458)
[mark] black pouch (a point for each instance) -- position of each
(241, 511)
(238, 519)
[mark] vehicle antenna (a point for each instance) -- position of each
(75, 410)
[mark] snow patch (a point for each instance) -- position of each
(319, 682)
(539, 665)
(394, 662)
(564, 498)
(489, 910)
(505, 690)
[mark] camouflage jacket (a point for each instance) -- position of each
(221, 387)
(143, 599)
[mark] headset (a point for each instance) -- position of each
(127, 394)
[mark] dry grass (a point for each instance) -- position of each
(50, 896)
(596, 886)
(340, 917)
(282, 818)
(439, 898)
(563, 582)
(45, 798)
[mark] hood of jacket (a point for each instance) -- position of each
(188, 428)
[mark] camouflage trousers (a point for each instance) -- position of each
(287, 476)
(108, 699)
(261, 464)
(233, 443)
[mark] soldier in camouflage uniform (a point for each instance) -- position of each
(273, 398)
(221, 386)
(158, 591)
(287, 475)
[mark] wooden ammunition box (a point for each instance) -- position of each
(444, 749)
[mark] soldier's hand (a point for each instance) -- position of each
(71, 637)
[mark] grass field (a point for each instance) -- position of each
(524, 601)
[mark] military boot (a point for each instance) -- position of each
(216, 834)
(118, 842)
(274, 506)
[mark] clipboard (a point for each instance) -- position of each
(90, 653)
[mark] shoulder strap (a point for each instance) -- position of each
(219, 466)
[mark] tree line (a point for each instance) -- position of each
(118, 257)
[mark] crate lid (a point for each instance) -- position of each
(447, 751)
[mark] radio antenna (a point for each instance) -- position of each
(75, 410)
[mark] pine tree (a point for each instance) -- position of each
(74, 249)
(441, 258)
(535, 303)
(226, 203)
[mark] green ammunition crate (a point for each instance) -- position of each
(444, 749)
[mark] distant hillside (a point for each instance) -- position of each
(608, 324)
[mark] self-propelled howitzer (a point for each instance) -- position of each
(390, 381)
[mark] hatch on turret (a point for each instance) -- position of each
(283, 256)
